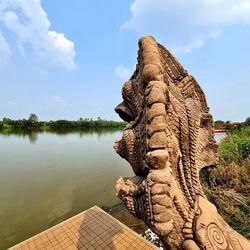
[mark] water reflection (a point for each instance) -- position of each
(219, 137)
(49, 176)
(32, 135)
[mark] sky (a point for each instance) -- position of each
(66, 59)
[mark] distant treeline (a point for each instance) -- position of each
(228, 125)
(33, 123)
(218, 122)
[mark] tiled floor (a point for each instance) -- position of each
(91, 229)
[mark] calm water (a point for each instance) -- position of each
(219, 136)
(48, 177)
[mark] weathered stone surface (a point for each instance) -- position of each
(157, 158)
(150, 71)
(157, 109)
(158, 140)
(190, 245)
(164, 217)
(163, 200)
(157, 84)
(157, 209)
(156, 95)
(158, 124)
(167, 147)
(159, 176)
(164, 228)
(151, 58)
(159, 189)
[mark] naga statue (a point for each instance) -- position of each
(168, 140)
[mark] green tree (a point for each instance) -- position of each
(248, 119)
(219, 122)
(33, 118)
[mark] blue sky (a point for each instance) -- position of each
(65, 59)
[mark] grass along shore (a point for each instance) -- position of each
(228, 185)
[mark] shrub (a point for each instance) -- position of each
(235, 147)
(228, 185)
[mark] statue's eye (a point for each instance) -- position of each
(124, 112)
(206, 120)
(204, 123)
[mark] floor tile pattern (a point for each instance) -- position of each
(91, 229)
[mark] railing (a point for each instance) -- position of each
(226, 126)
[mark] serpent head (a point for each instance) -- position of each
(168, 140)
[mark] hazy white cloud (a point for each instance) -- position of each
(184, 25)
(59, 101)
(28, 20)
(5, 51)
(56, 98)
(188, 47)
(10, 103)
(122, 72)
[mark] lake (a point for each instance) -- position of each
(47, 177)
(219, 136)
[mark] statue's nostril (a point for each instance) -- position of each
(124, 112)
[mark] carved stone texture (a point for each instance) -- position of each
(168, 140)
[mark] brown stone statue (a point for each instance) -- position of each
(168, 140)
